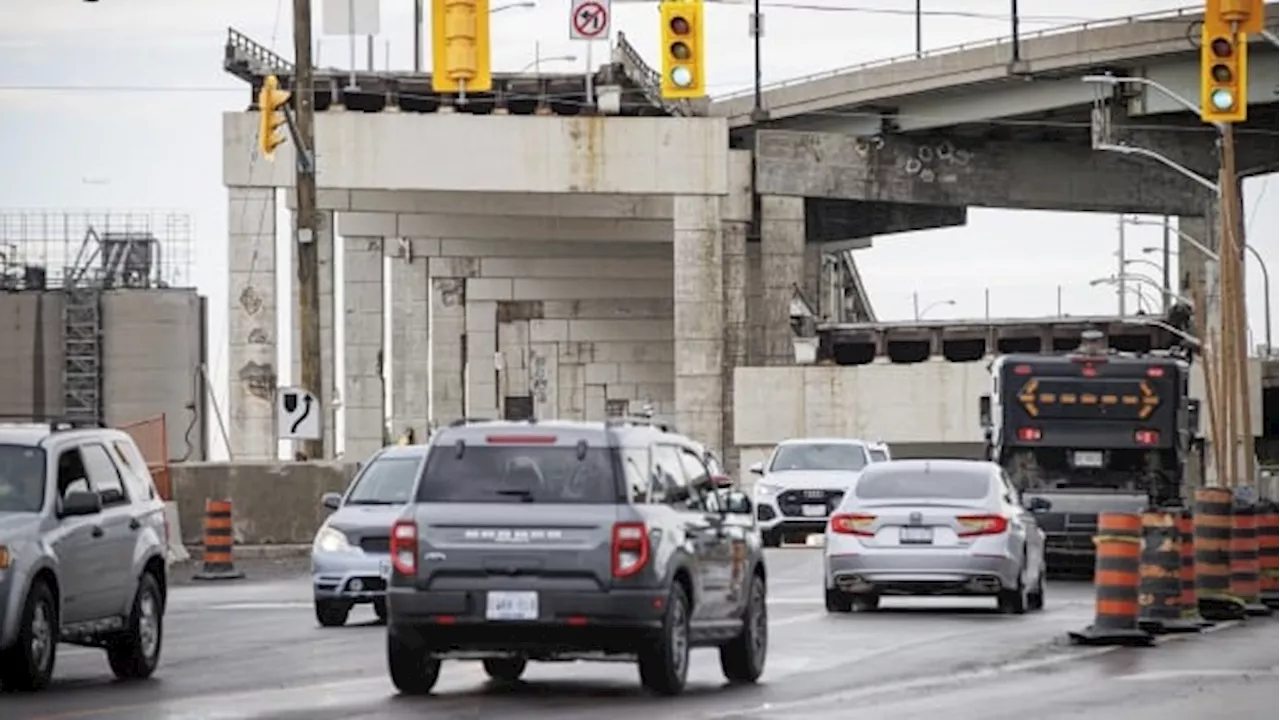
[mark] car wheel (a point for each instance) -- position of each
(135, 655)
(412, 672)
(380, 609)
(865, 602)
(28, 664)
(664, 665)
(1035, 600)
(1014, 601)
(838, 601)
(332, 613)
(772, 538)
(507, 670)
(742, 659)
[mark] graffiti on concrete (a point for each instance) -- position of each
(538, 383)
(258, 336)
(936, 162)
(453, 291)
(250, 300)
(258, 380)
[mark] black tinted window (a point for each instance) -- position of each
(22, 478)
(942, 485)
(385, 481)
(819, 456)
(492, 473)
(879, 456)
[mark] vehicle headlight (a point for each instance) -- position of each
(766, 490)
(330, 540)
(6, 557)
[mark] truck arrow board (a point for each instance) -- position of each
(1027, 396)
(1032, 397)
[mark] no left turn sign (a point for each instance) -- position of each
(589, 19)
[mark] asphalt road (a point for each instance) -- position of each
(251, 649)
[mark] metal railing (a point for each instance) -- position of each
(258, 57)
(1196, 11)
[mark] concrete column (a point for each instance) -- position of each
(482, 348)
(448, 328)
(699, 318)
(812, 285)
(735, 220)
(755, 306)
(410, 345)
(782, 247)
(362, 396)
(251, 323)
(327, 239)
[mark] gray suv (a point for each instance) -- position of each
(82, 551)
(552, 541)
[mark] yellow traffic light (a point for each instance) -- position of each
(460, 50)
(1224, 72)
(683, 56)
(1249, 15)
(271, 101)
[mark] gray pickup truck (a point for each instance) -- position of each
(554, 541)
(83, 543)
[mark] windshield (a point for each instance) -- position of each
(819, 456)
(22, 472)
(915, 484)
(528, 474)
(386, 481)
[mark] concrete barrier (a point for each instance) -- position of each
(275, 502)
(176, 552)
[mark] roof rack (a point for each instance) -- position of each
(55, 423)
(658, 423)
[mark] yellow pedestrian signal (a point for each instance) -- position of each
(460, 50)
(683, 66)
(1224, 71)
(271, 106)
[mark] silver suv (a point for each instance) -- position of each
(82, 551)
(557, 540)
(803, 482)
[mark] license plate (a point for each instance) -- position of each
(916, 535)
(512, 606)
(1088, 458)
(814, 510)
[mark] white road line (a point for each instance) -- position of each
(1163, 675)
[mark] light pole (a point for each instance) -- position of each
(536, 65)
(915, 305)
(1262, 265)
(1115, 280)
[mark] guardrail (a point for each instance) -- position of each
(242, 48)
(1196, 12)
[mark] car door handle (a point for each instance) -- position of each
(134, 524)
(97, 531)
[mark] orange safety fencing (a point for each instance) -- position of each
(152, 440)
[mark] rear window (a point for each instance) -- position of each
(385, 481)
(932, 484)
(519, 474)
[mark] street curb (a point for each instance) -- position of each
(257, 552)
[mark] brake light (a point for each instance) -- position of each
(1089, 371)
(520, 439)
(1155, 372)
(974, 525)
(404, 547)
(853, 524)
(1028, 434)
(1021, 369)
(630, 548)
(1146, 437)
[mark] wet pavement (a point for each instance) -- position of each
(252, 649)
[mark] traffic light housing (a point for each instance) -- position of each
(1224, 71)
(683, 54)
(271, 108)
(460, 49)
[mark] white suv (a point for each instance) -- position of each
(802, 482)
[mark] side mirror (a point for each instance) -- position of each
(757, 468)
(736, 502)
(722, 481)
(80, 503)
(1037, 504)
(331, 500)
(984, 411)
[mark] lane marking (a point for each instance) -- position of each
(1163, 675)
(284, 605)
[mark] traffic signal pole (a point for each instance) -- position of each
(307, 217)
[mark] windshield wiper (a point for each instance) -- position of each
(524, 495)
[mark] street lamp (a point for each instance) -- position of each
(512, 6)
(915, 305)
(536, 65)
(1141, 261)
(1163, 326)
(1114, 280)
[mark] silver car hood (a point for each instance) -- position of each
(365, 520)
(19, 525)
(812, 479)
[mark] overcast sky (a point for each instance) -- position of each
(122, 148)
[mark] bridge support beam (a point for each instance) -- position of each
(943, 170)
(829, 220)
(782, 241)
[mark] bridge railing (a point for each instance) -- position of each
(646, 78)
(244, 51)
(1169, 15)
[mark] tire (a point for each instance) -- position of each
(505, 670)
(332, 613)
(664, 664)
(1014, 601)
(412, 672)
(838, 601)
(27, 666)
(136, 654)
(380, 609)
(772, 538)
(742, 659)
(1035, 599)
(865, 602)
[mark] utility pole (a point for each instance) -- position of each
(1121, 285)
(306, 217)
(1232, 255)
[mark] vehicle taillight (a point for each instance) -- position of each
(1155, 372)
(972, 525)
(630, 548)
(1146, 437)
(520, 439)
(1021, 369)
(1089, 371)
(853, 524)
(404, 547)
(1028, 434)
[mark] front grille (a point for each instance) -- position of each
(790, 502)
(376, 544)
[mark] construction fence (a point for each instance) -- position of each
(152, 440)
